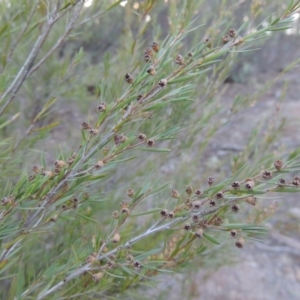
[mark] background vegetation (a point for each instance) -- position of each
(76, 142)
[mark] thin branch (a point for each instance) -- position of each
(13, 48)
(9, 250)
(25, 70)
(69, 28)
(129, 243)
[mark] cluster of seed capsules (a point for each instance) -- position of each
(210, 204)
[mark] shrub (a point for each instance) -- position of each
(61, 227)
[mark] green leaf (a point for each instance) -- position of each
(147, 254)
(211, 239)
(35, 25)
(244, 227)
(14, 117)
(45, 109)
(188, 77)
(78, 57)
(286, 190)
(279, 28)
(86, 218)
(47, 127)
(4, 28)
(154, 149)
(148, 212)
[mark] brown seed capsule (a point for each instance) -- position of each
(99, 165)
(125, 210)
(49, 174)
(190, 55)
(187, 226)
(251, 200)
(31, 177)
(129, 258)
(91, 259)
(137, 265)
(179, 60)
(195, 218)
(121, 138)
(139, 97)
(96, 277)
(148, 51)
(235, 208)
(203, 224)
(296, 183)
(5, 201)
(210, 180)
(85, 125)
(218, 221)
(36, 169)
(115, 214)
(64, 207)
(281, 182)
(226, 39)
(70, 160)
(249, 184)
(212, 203)
(297, 178)
(164, 213)
(189, 189)
(175, 194)
(102, 107)
(110, 264)
(220, 195)
(232, 32)
(233, 233)
(53, 219)
(163, 82)
(147, 58)
(198, 193)
(278, 164)
(208, 42)
(150, 142)
(171, 215)
(124, 204)
(128, 78)
(116, 238)
(266, 174)
(130, 193)
(235, 185)
(94, 131)
(240, 242)
(151, 70)
(196, 204)
(142, 137)
(199, 232)
(155, 46)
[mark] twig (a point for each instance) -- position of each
(9, 250)
(87, 266)
(26, 69)
(69, 28)
(23, 31)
